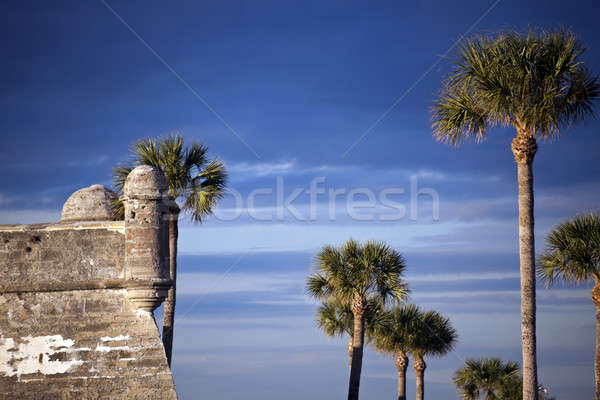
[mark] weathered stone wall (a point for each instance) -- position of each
(32, 256)
(80, 345)
(76, 316)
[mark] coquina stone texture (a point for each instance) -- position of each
(77, 299)
(93, 203)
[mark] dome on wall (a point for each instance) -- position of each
(93, 203)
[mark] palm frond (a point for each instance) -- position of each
(205, 189)
(490, 376)
(193, 181)
(118, 209)
(435, 335)
(319, 287)
(335, 318)
(146, 152)
(120, 174)
(457, 117)
(195, 156)
(572, 251)
(397, 333)
(576, 96)
(536, 82)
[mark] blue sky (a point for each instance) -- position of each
(300, 83)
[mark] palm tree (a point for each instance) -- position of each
(335, 318)
(434, 335)
(397, 337)
(355, 273)
(513, 390)
(537, 84)
(490, 376)
(573, 255)
(196, 182)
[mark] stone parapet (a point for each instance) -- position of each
(76, 298)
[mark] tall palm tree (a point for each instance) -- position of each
(397, 337)
(354, 273)
(537, 84)
(435, 336)
(489, 376)
(195, 182)
(335, 318)
(573, 255)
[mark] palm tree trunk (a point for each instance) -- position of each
(419, 366)
(350, 352)
(169, 310)
(402, 366)
(596, 299)
(358, 309)
(524, 147)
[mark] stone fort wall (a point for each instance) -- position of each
(77, 298)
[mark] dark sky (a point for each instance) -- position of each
(282, 92)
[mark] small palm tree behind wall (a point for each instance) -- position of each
(572, 255)
(536, 83)
(355, 273)
(195, 182)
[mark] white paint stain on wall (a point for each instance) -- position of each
(103, 348)
(115, 338)
(32, 354)
(143, 313)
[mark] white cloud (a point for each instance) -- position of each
(224, 238)
(285, 167)
(245, 170)
(205, 283)
(438, 175)
(260, 169)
